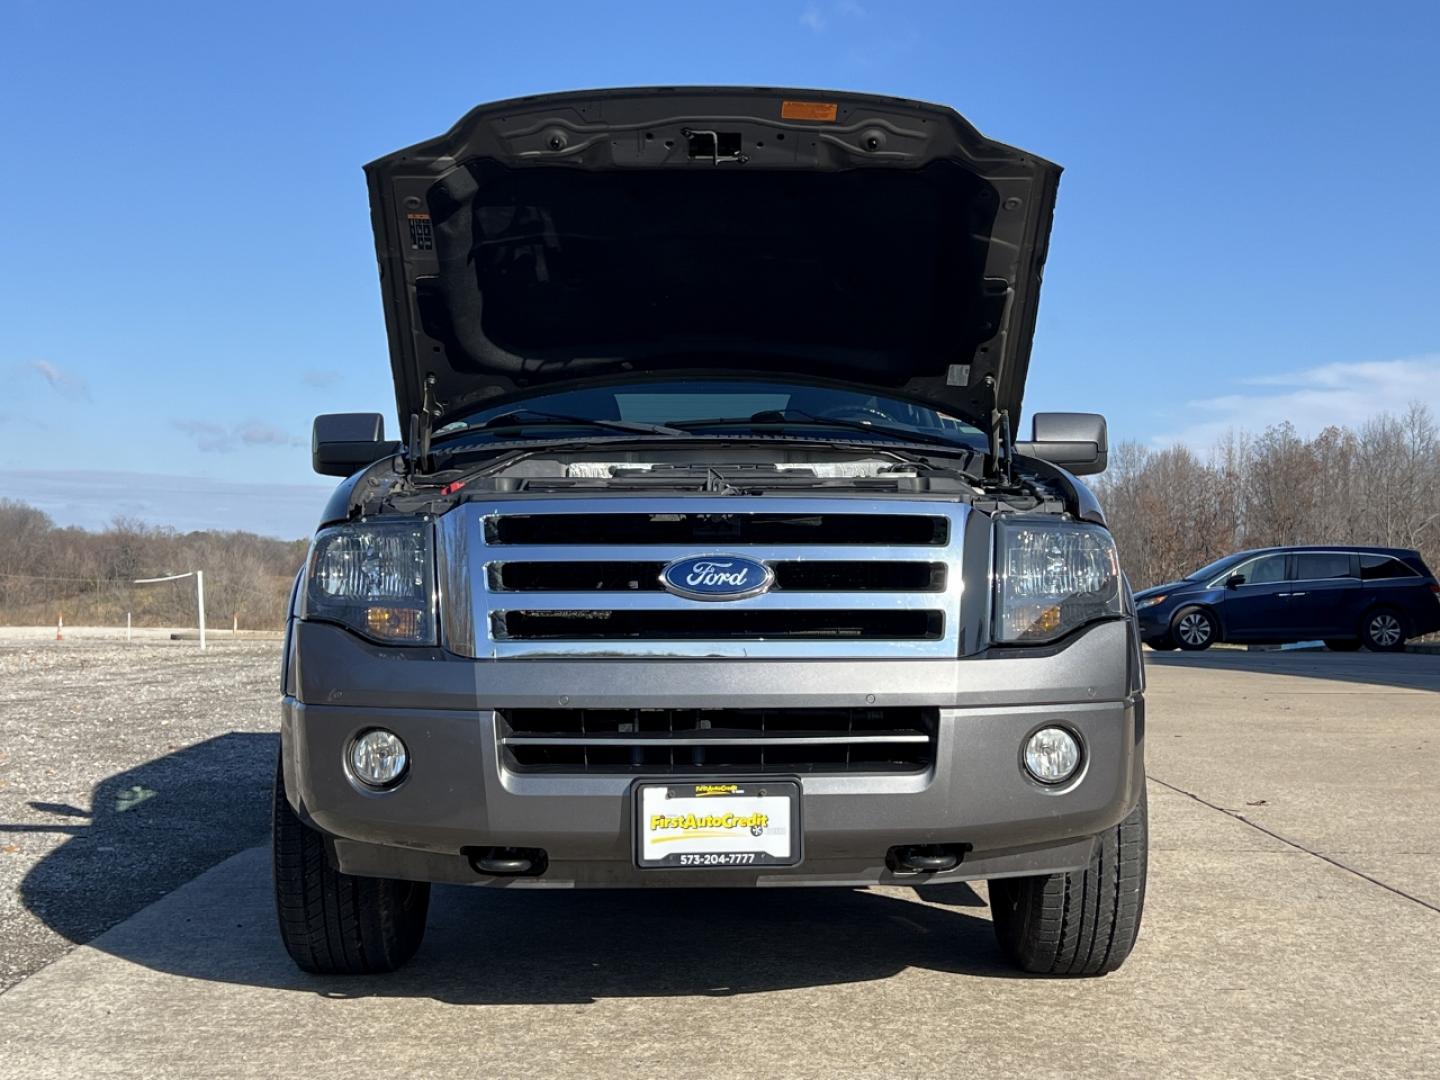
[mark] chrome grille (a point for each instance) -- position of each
(853, 578)
(716, 741)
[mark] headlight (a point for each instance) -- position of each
(377, 578)
(1150, 601)
(1052, 577)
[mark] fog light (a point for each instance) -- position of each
(378, 758)
(1052, 755)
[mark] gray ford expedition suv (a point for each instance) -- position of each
(707, 556)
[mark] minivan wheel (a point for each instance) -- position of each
(1081, 923)
(333, 923)
(1382, 631)
(1342, 644)
(1194, 628)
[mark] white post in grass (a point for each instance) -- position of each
(199, 576)
(127, 628)
(200, 604)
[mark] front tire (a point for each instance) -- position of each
(1194, 629)
(334, 923)
(1382, 630)
(1079, 923)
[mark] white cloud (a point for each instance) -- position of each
(64, 383)
(213, 438)
(254, 433)
(1313, 399)
(816, 16)
(320, 378)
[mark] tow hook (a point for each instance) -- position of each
(508, 862)
(925, 858)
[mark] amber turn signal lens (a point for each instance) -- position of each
(823, 111)
(395, 624)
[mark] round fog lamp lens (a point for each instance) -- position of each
(1052, 755)
(378, 757)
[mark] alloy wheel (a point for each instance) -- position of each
(1194, 628)
(1385, 630)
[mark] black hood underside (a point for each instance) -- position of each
(552, 241)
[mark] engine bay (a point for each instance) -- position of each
(730, 469)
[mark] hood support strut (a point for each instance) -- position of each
(417, 448)
(1000, 463)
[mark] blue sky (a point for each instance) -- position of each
(1247, 228)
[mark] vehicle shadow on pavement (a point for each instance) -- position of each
(1411, 671)
(155, 827)
(514, 947)
(150, 829)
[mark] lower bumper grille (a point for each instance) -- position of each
(711, 741)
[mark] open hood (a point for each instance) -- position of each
(566, 238)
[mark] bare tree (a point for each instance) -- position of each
(1378, 485)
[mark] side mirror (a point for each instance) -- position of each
(342, 444)
(1075, 441)
(1234, 581)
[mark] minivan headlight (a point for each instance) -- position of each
(377, 578)
(1052, 577)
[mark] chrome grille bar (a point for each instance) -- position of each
(472, 609)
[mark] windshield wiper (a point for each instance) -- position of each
(547, 419)
(807, 421)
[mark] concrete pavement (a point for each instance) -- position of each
(1291, 930)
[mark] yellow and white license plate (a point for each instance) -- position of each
(719, 824)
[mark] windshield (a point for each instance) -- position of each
(1209, 570)
(739, 404)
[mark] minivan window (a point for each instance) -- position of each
(1379, 567)
(1318, 566)
(1263, 571)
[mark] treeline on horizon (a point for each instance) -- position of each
(48, 571)
(1171, 511)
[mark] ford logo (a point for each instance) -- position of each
(716, 577)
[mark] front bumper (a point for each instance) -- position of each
(458, 794)
(1153, 623)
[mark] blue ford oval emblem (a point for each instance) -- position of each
(717, 577)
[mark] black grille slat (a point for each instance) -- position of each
(697, 741)
(644, 576)
(719, 624)
(819, 528)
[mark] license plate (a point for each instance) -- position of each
(725, 825)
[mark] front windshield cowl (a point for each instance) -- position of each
(682, 406)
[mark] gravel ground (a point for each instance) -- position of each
(125, 770)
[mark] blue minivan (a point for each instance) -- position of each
(1345, 596)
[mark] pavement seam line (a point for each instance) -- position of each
(1237, 816)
